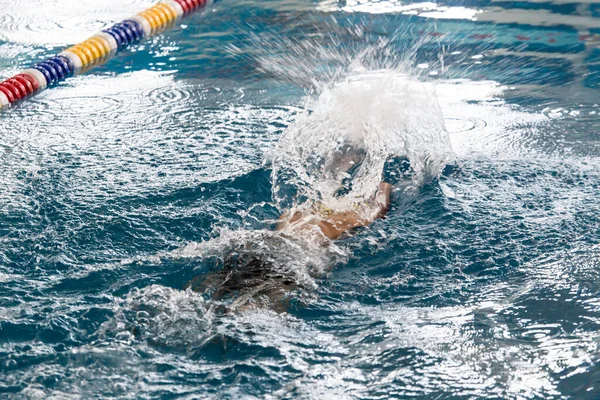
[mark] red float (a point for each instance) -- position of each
(27, 81)
(9, 95)
(20, 87)
(184, 4)
(34, 83)
(191, 5)
(16, 88)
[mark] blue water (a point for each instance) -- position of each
(483, 284)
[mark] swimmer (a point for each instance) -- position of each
(252, 280)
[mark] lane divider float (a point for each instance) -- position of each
(97, 50)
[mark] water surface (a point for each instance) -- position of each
(482, 284)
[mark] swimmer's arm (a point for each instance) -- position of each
(286, 219)
(335, 224)
(340, 222)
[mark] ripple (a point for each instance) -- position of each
(94, 123)
(538, 333)
(464, 124)
(480, 120)
(169, 95)
(42, 111)
(84, 107)
(45, 22)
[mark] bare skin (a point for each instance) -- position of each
(334, 224)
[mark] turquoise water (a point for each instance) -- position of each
(120, 186)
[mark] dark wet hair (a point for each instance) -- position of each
(242, 274)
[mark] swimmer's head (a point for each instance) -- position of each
(245, 271)
(240, 274)
(251, 282)
(345, 158)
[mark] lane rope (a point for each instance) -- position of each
(96, 50)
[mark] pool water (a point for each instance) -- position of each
(118, 187)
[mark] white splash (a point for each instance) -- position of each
(368, 116)
(163, 316)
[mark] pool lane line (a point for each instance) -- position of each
(97, 50)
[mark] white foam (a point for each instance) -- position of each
(166, 316)
(384, 113)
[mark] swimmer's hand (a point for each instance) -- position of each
(395, 169)
(383, 200)
(337, 223)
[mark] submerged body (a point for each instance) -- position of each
(327, 173)
(251, 279)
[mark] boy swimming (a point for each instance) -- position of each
(333, 170)
(253, 276)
